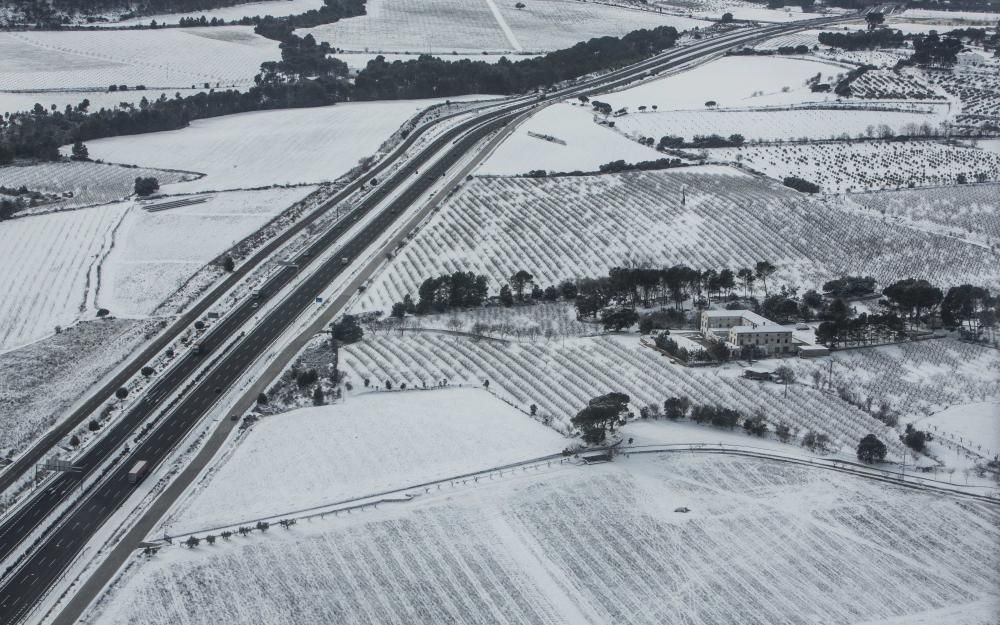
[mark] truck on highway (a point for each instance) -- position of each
(255, 293)
(138, 471)
(197, 349)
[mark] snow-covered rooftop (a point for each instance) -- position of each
(759, 329)
(749, 316)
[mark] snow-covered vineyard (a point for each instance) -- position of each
(560, 377)
(704, 217)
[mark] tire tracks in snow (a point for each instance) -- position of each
(504, 26)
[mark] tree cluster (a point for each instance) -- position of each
(800, 184)
(932, 49)
(615, 167)
(447, 291)
(600, 416)
(431, 77)
(863, 40)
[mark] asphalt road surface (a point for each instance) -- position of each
(24, 586)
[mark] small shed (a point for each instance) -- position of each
(595, 457)
(813, 351)
(758, 373)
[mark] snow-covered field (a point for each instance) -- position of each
(473, 26)
(370, 443)
(763, 543)
(570, 227)
(51, 270)
(39, 382)
(172, 57)
(545, 25)
(963, 210)
(587, 145)
(17, 101)
(561, 376)
(155, 253)
(80, 183)
(732, 81)
(977, 422)
(249, 150)
(64, 266)
(779, 125)
(867, 166)
(274, 8)
(989, 19)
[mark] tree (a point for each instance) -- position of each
(121, 393)
(911, 297)
(757, 424)
(871, 449)
(747, 277)
(228, 264)
(506, 297)
(786, 374)
(79, 152)
(783, 432)
(915, 439)
(676, 407)
(600, 416)
(317, 397)
(262, 399)
(519, 281)
(146, 186)
(568, 289)
(964, 304)
(726, 18)
(618, 320)
(192, 542)
(763, 271)
(347, 330)
(874, 18)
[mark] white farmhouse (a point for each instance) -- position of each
(745, 327)
(968, 57)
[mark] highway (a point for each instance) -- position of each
(26, 583)
(25, 463)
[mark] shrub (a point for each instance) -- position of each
(801, 185)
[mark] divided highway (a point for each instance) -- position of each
(26, 583)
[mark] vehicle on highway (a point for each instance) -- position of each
(255, 293)
(138, 471)
(197, 349)
(345, 261)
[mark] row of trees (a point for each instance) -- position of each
(427, 76)
(863, 40)
(642, 286)
(667, 142)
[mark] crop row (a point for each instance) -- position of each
(839, 167)
(559, 378)
(916, 378)
(570, 227)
